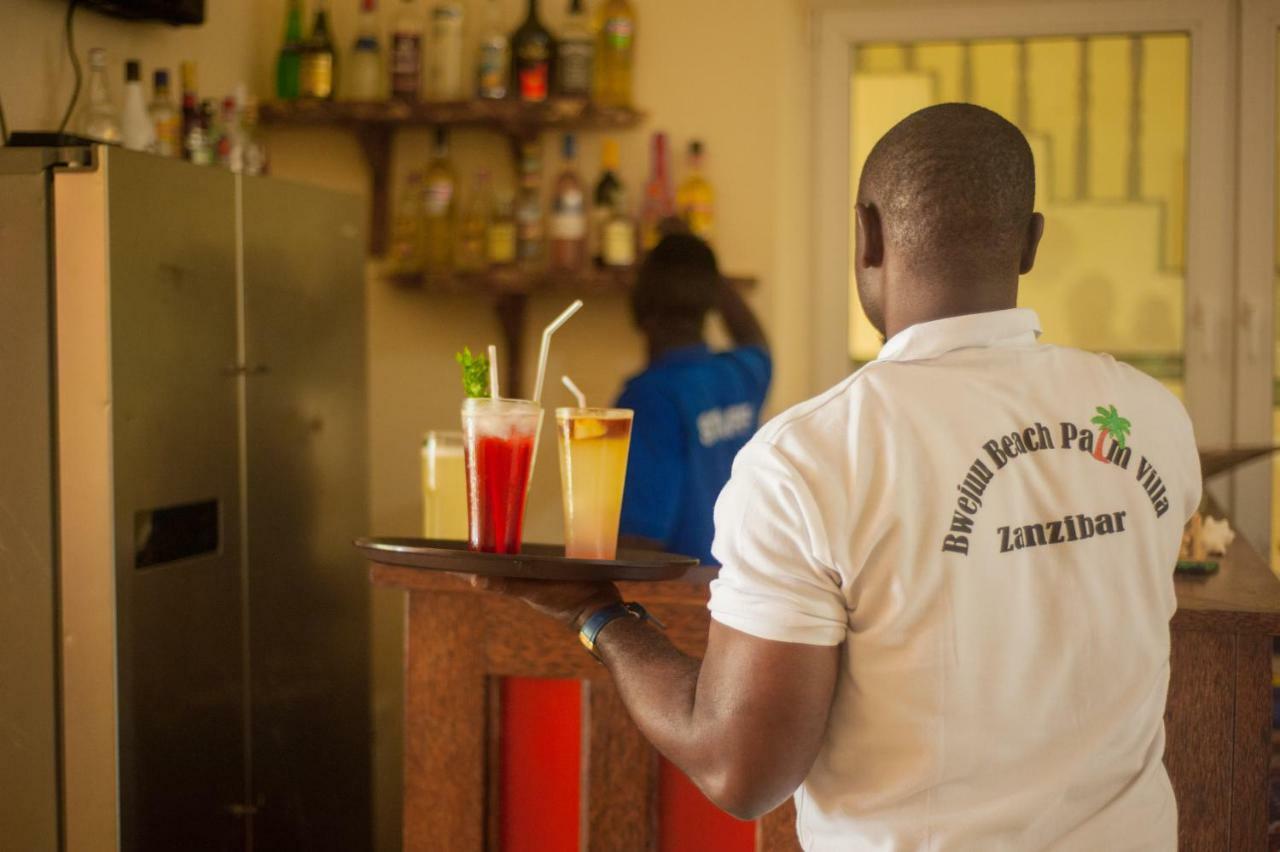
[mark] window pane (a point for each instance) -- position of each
(1107, 119)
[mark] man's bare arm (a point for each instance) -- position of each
(745, 723)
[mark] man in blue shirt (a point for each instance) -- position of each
(694, 408)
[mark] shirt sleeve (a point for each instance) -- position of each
(776, 580)
(655, 466)
(758, 366)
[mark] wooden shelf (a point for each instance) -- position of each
(510, 289)
(374, 123)
(512, 117)
(517, 281)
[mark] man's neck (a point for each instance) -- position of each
(974, 300)
(660, 345)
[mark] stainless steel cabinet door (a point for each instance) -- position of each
(307, 500)
(178, 546)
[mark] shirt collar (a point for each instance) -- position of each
(1012, 327)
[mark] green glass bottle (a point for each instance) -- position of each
(289, 62)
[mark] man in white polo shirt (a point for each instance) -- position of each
(942, 620)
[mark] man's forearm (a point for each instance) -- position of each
(659, 684)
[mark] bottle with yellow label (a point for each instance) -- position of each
(696, 199)
(500, 235)
(614, 52)
(439, 209)
(317, 72)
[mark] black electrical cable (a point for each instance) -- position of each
(75, 65)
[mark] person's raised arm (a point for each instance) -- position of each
(740, 321)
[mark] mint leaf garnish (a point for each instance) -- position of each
(475, 373)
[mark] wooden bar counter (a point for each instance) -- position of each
(1218, 715)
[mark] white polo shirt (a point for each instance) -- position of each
(997, 567)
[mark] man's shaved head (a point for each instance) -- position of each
(952, 190)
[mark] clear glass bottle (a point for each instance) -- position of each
(607, 196)
(575, 54)
(190, 108)
(164, 116)
(618, 239)
(533, 55)
(406, 53)
(568, 223)
(136, 130)
(493, 56)
(500, 236)
(474, 226)
(439, 209)
(614, 53)
(444, 68)
(658, 203)
(404, 252)
(530, 233)
(365, 74)
(253, 151)
(318, 69)
(289, 60)
(696, 198)
(98, 117)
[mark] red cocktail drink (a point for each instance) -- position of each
(501, 439)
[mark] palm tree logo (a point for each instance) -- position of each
(1109, 422)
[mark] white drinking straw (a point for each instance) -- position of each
(546, 346)
(573, 389)
(493, 371)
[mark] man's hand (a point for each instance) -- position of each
(570, 603)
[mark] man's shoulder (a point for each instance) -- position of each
(821, 414)
(1128, 379)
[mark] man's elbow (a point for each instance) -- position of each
(746, 794)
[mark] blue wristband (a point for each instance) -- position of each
(593, 625)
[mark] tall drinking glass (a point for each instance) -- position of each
(594, 443)
(444, 486)
(500, 439)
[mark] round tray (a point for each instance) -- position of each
(534, 562)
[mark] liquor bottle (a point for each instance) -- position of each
(575, 54)
(568, 225)
(607, 198)
(500, 236)
(657, 195)
(190, 107)
(528, 206)
(406, 53)
(696, 200)
(254, 153)
(405, 250)
(444, 67)
(164, 116)
(203, 137)
(493, 57)
(439, 209)
(473, 229)
(618, 249)
(229, 150)
(98, 118)
(614, 54)
(289, 60)
(364, 65)
(318, 60)
(533, 55)
(136, 129)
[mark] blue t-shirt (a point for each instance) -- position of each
(694, 410)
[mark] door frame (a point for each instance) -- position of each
(1256, 264)
(1209, 338)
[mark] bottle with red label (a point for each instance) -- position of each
(658, 201)
(568, 225)
(406, 52)
(533, 57)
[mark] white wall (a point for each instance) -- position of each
(36, 76)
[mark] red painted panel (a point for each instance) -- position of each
(541, 761)
(688, 822)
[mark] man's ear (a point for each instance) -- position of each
(870, 236)
(1035, 230)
